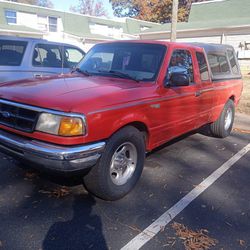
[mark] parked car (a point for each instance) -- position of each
(30, 58)
(125, 99)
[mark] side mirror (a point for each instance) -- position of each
(178, 79)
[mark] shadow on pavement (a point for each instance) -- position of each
(84, 231)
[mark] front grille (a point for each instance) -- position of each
(14, 116)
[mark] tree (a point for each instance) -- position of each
(45, 3)
(90, 7)
(42, 3)
(154, 10)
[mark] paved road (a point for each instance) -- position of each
(36, 213)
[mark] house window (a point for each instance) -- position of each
(10, 16)
(52, 24)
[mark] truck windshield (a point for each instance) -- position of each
(136, 61)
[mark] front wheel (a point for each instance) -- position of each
(120, 166)
(223, 126)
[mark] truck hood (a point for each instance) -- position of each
(72, 93)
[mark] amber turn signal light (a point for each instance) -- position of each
(70, 126)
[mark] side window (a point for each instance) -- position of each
(218, 64)
(11, 52)
(233, 62)
(72, 57)
(47, 55)
(202, 66)
(181, 62)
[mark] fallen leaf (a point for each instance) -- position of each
(162, 229)
(244, 131)
(58, 192)
(229, 224)
(194, 240)
(242, 243)
(31, 175)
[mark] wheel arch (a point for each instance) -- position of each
(232, 97)
(141, 126)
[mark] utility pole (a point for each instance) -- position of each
(174, 20)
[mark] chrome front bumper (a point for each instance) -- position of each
(45, 156)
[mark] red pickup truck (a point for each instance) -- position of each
(124, 99)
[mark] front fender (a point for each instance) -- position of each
(104, 125)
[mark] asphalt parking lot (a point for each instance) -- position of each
(36, 213)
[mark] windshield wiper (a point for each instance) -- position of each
(120, 74)
(84, 72)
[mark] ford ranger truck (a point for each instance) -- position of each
(123, 99)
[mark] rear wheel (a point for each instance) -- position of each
(120, 166)
(223, 126)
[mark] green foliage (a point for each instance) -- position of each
(154, 10)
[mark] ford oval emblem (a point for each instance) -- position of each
(6, 114)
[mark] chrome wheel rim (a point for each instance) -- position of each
(228, 119)
(123, 163)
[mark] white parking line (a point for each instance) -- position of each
(159, 224)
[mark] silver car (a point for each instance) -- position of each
(33, 58)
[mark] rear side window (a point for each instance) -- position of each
(47, 55)
(218, 64)
(11, 52)
(233, 62)
(202, 66)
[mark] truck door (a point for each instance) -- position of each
(181, 106)
(205, 93)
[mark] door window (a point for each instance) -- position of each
(203, 68)
(181, 62)
(47, 55)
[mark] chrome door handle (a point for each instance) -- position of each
(198, 93)
(38, 75)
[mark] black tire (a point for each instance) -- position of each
(219, 128)
(99, 181)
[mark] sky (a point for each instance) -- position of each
(64, 5)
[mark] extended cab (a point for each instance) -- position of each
(125, 99)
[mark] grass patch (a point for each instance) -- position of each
(244, 105)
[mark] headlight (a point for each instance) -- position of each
(60, 125)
